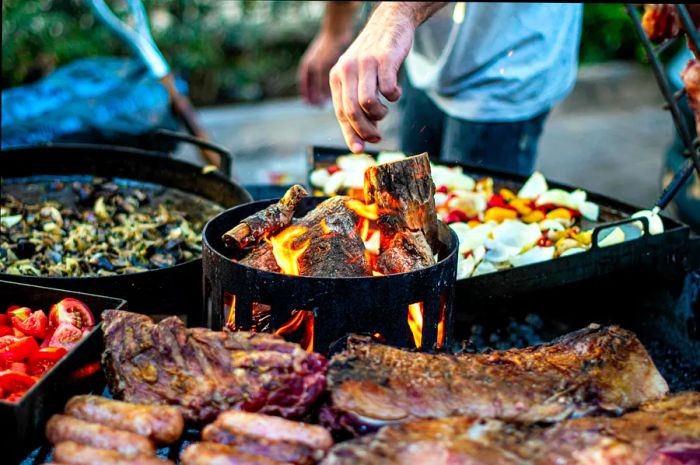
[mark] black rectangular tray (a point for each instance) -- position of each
(647, 252)
(22, 423)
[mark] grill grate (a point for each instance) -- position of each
(692, 147)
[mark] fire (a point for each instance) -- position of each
(371, 211)
(441, 323)
(287, 257)
(231, 320)
(324, 227)
(301, 317)
(415, 322)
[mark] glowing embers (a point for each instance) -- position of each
(299, 328)
(285, 250)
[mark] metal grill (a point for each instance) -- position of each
(692, 147)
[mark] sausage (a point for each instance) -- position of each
(72, 453)
(210, 453)
(161, 423)
(274, 429)
(62, 428)
(287, 452)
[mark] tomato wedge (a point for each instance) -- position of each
(6, 331)
(71, 311)
(44, 359)
(4, 320)
(32, 324)
(19, 349)
(15, 382)
(66, 336)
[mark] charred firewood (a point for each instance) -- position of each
(405, 187)
(335, 248)
(261, 258)
(269, 221)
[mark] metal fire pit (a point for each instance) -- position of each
(337, 306)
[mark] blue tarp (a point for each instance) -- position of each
(109, 100)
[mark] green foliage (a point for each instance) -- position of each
(228, 51)
(608, 34)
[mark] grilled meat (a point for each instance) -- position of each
(72, 453)
(691, 81)
(209, 453)
(204, 372)
(660, 21)
(282, 451)
(62, 428)
(662, 432)
(593, 369)
(161, 423)
(274, 429)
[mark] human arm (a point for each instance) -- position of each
(370, 66)
(332, 40)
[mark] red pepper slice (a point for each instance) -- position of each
(44, 359)
(19, 349)
(15, 382)
(71, 311)
(32, 324)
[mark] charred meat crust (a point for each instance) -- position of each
(593, 369)
(204, 372)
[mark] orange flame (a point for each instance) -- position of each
(231, 320)
(441, 323)
(415, 322)
(301, 317)
(286, 256)
(371, 211)
(324, 227)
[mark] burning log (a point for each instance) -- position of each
(401, 249)
(266, 222)
(405, 187)
(262, 258)
(335, 248)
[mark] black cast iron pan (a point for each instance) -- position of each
(174, 290)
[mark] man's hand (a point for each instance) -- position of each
(370, 67)
(332, 40)
(315, 65)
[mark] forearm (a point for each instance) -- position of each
(338, 20)
(414, 12)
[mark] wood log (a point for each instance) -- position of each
(401, 250)
(266, 222)
(405, 187)
(261, 258)
(335, 246)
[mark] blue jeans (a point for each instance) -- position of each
(509, 147)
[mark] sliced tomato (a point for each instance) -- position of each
(18, 312)
(32, 324)
(44, 359)
(14, 381)
(71, 311)
(12, 307)
(4, 320)
(19, 366)
(15, 396)
(6, 331)
(19, 349)
(6, 341)
(66, 336)
(18, 333)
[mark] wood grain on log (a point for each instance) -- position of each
(406, 188)
(266, 222)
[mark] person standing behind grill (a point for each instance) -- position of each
(480, 78)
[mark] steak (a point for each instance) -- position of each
(596, 369)
(662, 432)
(204, 372)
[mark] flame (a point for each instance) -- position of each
(415, 322)
(231, 320)
(441, 324)
(377, 273)
(286, 256)
(371, 211)
(299, 318)
(324, 227)
(364, 229)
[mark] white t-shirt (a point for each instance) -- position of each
(492, 62)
